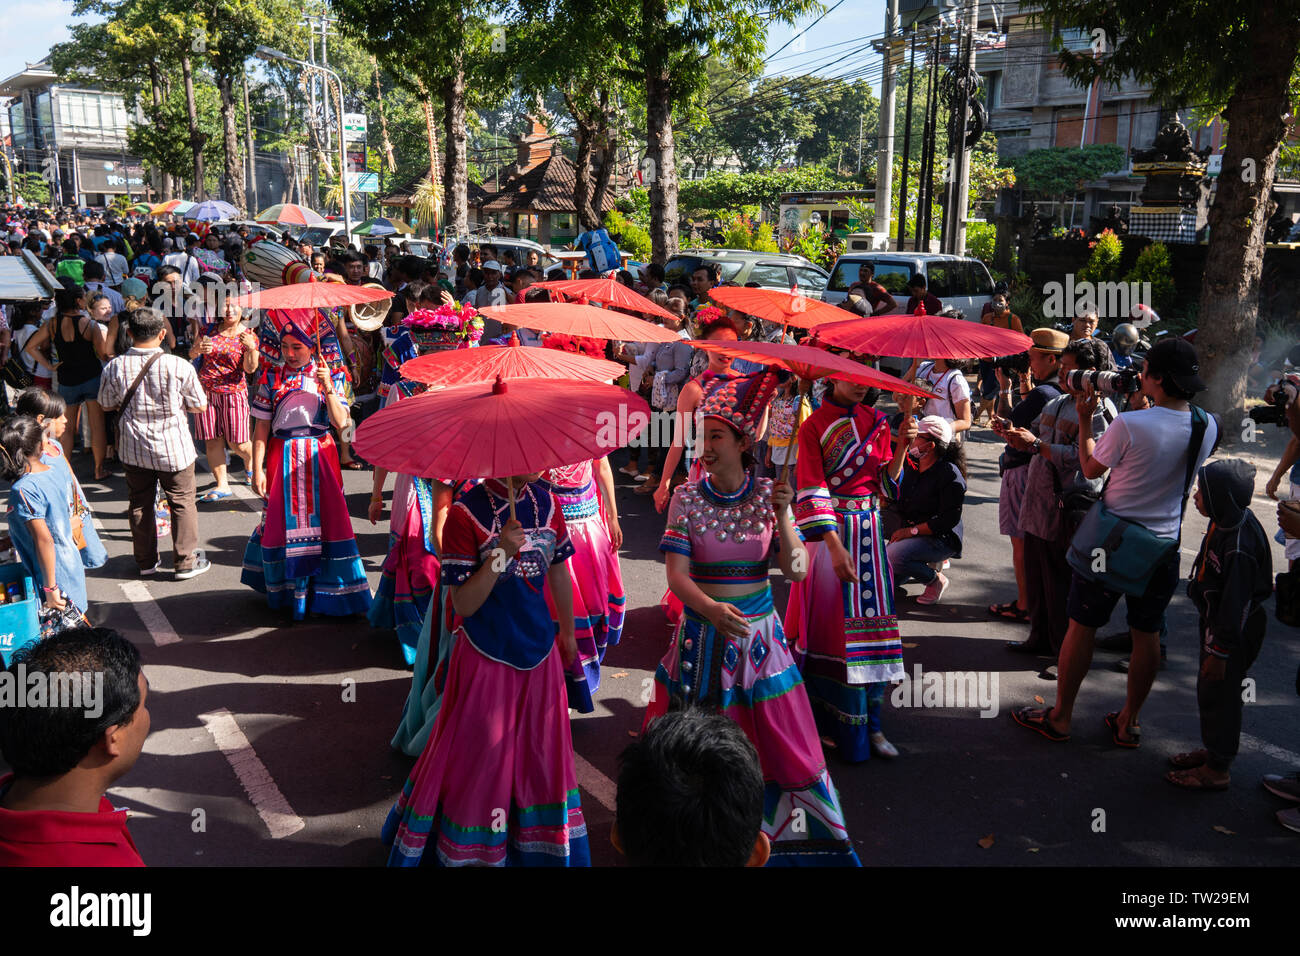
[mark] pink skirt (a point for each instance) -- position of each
(495, 784)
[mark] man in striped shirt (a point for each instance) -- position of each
(154, 443)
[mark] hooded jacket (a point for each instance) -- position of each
(1233, 573)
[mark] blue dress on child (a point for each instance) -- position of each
(45, 496)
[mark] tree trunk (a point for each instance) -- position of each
(609, 149)
(1229, 302)
(660, 148)
(584, 132)
(198, 139)
(232, 170)
(455, 178)
(155, 97)
(251, 153)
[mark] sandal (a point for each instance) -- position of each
(1192, 779)
(1035, 718)
(1189, 761)
(353, 465)
(215, 495)
(1134, 733)
(1010, 612)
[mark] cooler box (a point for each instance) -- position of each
(18, 621)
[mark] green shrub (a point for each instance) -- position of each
(1103, 264)
(764, 240)
(981, 237)
(1153, 266)
(630, 237)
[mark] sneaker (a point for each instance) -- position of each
(1290, 818)
(630, 470)
(146, 572)
(201, 564)
(933, 591)
(882, 747)
(640, 477)
(1286, 786)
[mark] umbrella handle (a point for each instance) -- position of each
(785, 470)
(510, 486)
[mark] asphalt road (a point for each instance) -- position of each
(270, 741)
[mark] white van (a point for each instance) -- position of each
(958, 281)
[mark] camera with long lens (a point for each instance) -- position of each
(1277, 397)
(1018, 363)
(1124, 382)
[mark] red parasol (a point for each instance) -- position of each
(311, 295)
(489, 362)
(580, 320)
(606, 292)
(509, 428)
(811, 363)
(923, 336)
(783, 308)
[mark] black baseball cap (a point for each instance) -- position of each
(1175, 358)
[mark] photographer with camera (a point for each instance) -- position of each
(1279, 398)
(1128, 543)
(1038, 388)
(1056, 496)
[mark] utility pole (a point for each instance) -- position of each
(885, 140)
(961, 204)
(907, 150)
(311, 94)
(251, 190)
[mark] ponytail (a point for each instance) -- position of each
(21, 438)
(955, 454)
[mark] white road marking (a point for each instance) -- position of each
(595, 783)
(151, 615)
(253, 776)
(1277, 753)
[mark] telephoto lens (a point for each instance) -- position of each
(1124, 382)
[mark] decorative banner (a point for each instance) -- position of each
(363, 182)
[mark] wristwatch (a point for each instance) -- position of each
(915, 531)
(1038, 446)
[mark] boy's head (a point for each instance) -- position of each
(1224, 488)
(690, 793)
(103, 732)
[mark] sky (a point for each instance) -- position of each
(31, 27)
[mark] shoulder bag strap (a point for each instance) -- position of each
(130, 393)
(1200, 424)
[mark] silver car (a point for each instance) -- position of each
(958, 281)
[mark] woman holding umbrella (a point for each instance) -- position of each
(846, 618)
(495, 784)
(729, 652)
(303, 555)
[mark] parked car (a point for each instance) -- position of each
(322, 235)
(424, 248)
(518, 248)
(958, 281)
(254, 228)
(769, 270)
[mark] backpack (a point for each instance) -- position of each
(71, 267)
(602, 252)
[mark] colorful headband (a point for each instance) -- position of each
(740, 401)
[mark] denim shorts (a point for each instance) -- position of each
(1091, 603)
(76, 394)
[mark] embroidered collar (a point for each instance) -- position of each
(726, 499)
(845, 410)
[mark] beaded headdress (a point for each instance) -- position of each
(740, 401)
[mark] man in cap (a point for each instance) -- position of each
(1147, 453)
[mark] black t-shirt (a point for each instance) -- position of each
(934, 497)
(1023, 415)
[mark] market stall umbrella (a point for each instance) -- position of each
(782, 308)
(923, 336)
(142, 207)
(382, 226)
(171, 205)
(499, 430)
(811, 363)
(311, 295)
(289, 214)
(211, 211)
(578, 319)
(490, 362)
(607, 292)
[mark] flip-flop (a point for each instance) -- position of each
(217, 496)
(1035, 718)
(352, 465)
(1190, 780)
(1134, 733)
(1188, 761)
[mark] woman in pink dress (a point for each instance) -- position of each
(585, 492)
(729, 652)
(843, 615)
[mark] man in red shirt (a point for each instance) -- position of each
(921, 296)
(874, 297)
(53, 811)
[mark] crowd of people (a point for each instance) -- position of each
(505, 592)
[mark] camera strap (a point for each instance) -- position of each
(1200, 424)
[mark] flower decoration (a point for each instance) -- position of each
(707, 314)
(460, 322)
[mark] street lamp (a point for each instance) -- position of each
(268, 54)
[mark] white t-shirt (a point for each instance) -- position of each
(114, 267)
(187, 263)
(951, 387)
(1146, 451)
